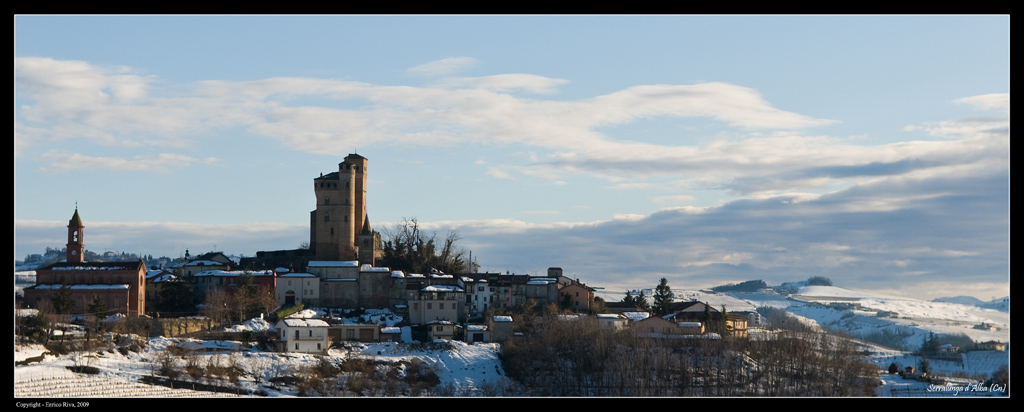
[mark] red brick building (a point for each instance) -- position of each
(120, 285)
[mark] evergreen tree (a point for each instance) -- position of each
(97, 308)
(663, 298)
(63, 304)
(629, 299)
(930, 346)
(641, 303)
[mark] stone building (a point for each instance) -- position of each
(339, 226)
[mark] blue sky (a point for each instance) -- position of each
(873, 150)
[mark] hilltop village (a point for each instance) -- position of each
(339, 270)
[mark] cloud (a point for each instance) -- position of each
(113, 106)
(504, 83)
(442, 67)
(999, 101)
(62, 162)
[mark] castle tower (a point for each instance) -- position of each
(340, 210)
(76, 245)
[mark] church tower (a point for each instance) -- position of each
(340, 210)
(75, 246)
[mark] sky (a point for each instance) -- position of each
(872, 150)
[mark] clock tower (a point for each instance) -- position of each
(76, 248)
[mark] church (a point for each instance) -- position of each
(120, 285)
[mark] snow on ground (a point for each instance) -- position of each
(916, 320)
(916, 317)
(466, 366)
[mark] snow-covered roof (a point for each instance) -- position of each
(165, 277)
(689, 324)
(440, 322)
(371, 268)
(297, 275)
(415, 275)
(204, 263)
(308, 323)
(610, 316)
(339, 280)
(442, 288)
(95, 266)
(391, 329)
(56, 286)
(333, 263)
(476, 328)
(233, 273)
(397, 274)
(636, 315)
(502, 318)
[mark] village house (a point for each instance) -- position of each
(302, 335)
(611, 321)
(580, 295)
(438, 302)
(361, 332)
(224, 281)
(441, 329)
(390, 334)
(477, 333)
(694, 311)
(657, 326)
(202, 263)
(992, 345)
(501, 328)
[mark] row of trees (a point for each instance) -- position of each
(661, 301)
(581, 358)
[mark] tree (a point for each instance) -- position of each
(177, 298)
(63, 305)
(97, 311)
(629, 299)
(930, 346)
(641, 302)
(62, 300)
(663, 298)
(819, 281)
(410, 250)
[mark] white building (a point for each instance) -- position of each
(303, 335)
(293, 288)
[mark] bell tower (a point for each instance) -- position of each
(75, 246)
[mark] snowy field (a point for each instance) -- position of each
(463, 365)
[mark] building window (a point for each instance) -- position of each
(440, 305)
(430, 306)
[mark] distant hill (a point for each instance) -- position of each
(1002, 304)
